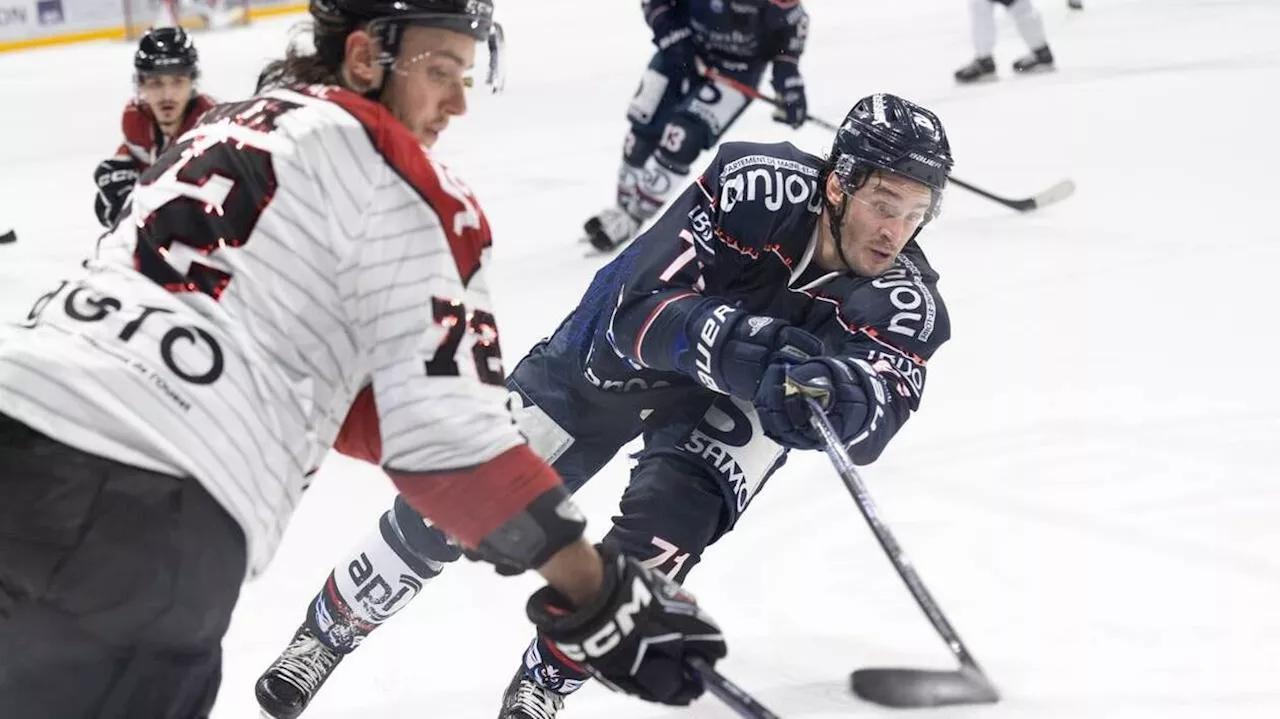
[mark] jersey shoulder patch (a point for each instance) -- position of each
(906, 306)
(769, 176)
(463, 220)
(900, 309)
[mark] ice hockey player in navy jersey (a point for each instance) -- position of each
(677, 112)
(773, 264)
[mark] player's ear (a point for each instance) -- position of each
(834, 190)
(360, 61)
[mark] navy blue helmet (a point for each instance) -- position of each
(887, 133)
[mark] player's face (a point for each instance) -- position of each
(880, 217)
(429, 81)
(166, 95)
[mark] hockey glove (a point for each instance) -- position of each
(728, 350)
(115, 179)
(841, 385)
(676, 46)
(636, 635)
(788, 87)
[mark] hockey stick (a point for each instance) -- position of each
(731, 694)
(1057, 193)
(904, 687)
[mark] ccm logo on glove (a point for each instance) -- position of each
(612, 633)
(117, 176)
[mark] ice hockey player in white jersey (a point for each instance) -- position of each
(983, 24)
(163, 408)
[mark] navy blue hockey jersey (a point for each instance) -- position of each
(746, 232)
(729, 33)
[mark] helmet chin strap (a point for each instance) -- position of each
(377, 91)
(835, 221)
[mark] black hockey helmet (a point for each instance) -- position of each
(386, 20)
(887, 133)
(166, 50)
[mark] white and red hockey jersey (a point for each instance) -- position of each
(144, 140)
(291, 251)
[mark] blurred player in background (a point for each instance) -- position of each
(983, 22)
(212, 13)
(677, 112)
(166, 68)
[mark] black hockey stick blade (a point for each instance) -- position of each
(8, 237)
(734, 697)
(1057, 193)
(917, 688)
(901, 687)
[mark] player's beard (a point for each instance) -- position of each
(168, 116)
(389, 99)
(865, 253)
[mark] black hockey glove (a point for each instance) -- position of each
(728, 349)
(843, 386)
(788, 87)
(676, 45)
(115, 179)
(636, 635)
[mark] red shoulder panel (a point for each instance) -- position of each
(200, 104)
(464, 222)
(361, 436)
(139, 126)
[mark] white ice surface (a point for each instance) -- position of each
(1090, 488)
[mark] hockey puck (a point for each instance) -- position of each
(8, 237)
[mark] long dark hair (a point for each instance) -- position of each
(321, 67)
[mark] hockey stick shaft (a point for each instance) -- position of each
(1054, 194)
(853, 481)
(983, 193)
(731, 694)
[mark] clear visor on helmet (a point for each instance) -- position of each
(441, 64)
(154, 85)
(854, 176)
(893, 210)
(164, 67)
